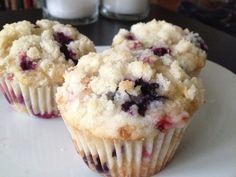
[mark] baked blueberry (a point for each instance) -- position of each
(26, 63)
(160, 51)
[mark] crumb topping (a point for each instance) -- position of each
(38, 54)
(114, 89)
(166, 41)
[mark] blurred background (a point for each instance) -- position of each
(220, 14)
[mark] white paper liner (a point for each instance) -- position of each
(38, 101)
(118, 158)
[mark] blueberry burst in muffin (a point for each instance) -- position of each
(33, 59)
(127, 114)
(167, 41)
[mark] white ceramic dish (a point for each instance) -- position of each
(31, 147)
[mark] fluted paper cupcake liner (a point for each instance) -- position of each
(38, 101)
(118, 158)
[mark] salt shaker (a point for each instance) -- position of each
(75, 12)
(125, 9)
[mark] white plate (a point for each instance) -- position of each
(43, 148)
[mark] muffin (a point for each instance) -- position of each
(33, 59)
(165, 40)
(126, 116)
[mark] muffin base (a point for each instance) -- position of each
(38, 102)
(136, 158)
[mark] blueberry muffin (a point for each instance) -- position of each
(165, 40)
(33, 59)
(127, 115)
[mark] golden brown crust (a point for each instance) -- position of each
(125, 132)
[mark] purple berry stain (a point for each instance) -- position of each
(46, 115)
(85, 160)
(20, 99)
(204, 47)
(69, 54)
(164, 123)
(26, 63)
(114, 151)
(130, 37)
(142, 101)
(126, 105)
(96, 163)
(200, 43)
(160, 51)
(63, 40)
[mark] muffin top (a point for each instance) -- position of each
(117, 95)
(165, 40)
(38, 54)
